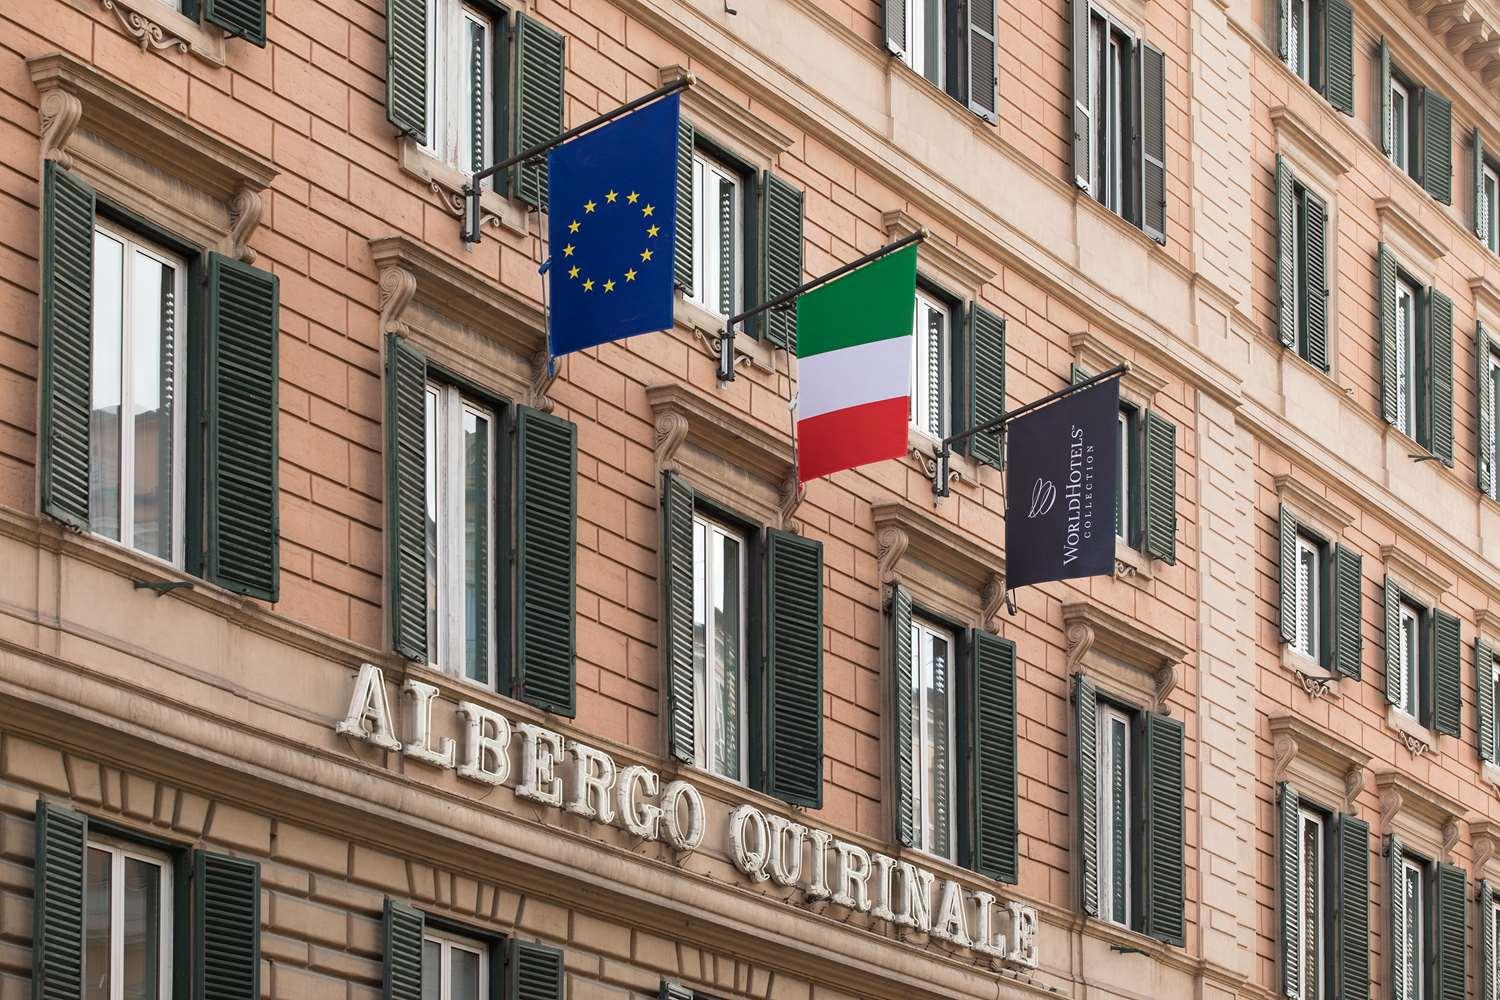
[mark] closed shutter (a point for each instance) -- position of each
(677, 499)
(1481, 220)
(1086, 781)
(1315, 278)
(1153, 142)
(899, 622)
(1351, 909)
(794, 669)
(1286, 252)
(546, 559)
(986, 381)
(894, 12)
(1447, 671)
(226, 935)
(1485, 396)
(781, 208)
(1164, 896)
(1440, 358)
(1160, 488)
(1387, 122)
(1392, 642)
(1486, 925)
(406, 495)
(682, 248)
(57, 903)
(1338, 54)
(1288, 884)
(1284, 29)
(404, 927)
(983, 60)
(1437, 145)
(242, 504)
(1396, 912)
(1451, 932)
(1484, 686)
(1083, 126)
(674, 991)
(539, 102)
(534, 971)
(1287, 536)
(406, 66)
(67, 344)
(1387, 268)
(244, 18)
(1348, 612)
(992, 671)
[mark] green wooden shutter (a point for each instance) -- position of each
(1437, 145)
(1451, 933)
(406, 66)
(244, 537)
(1287, 536)
(226, 934)
(1160, 489)
(1351, 909)
(539, 102)
(1338, 55)
(534, 971)
(1164, 793)
(682, 248)
(1288, 896)
(794, 669)
(1387, 269)
(1392, 641)
(1286, 252)
(58, 903)
(1315, 278)
(1387, 123)
(1153, 142)
(546, 559)
(1481, 223)
(894, 13)
(1086, 781)
(403, 928)
(982, 64)
(1083, 128)
(677, 499)
(1486, 926)
(986, 381)
(992, 672)
(1484, 686)
(674, 991)
(899, 621)
(1396, 913)
(1348, 613)
(67, 344)
(1440, 360)
(781, 208)
(245, 18)
(1447, 673)
(1284, 29)
(406, 495)
(1485, 405)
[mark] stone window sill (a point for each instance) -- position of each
(706, 326)
(448, 184)
(1417, 737)
(1132, 564)
(1314, 678)
(154, 25)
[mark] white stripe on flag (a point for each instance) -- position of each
(852, 376)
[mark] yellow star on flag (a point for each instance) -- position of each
(653, 231)
(648, 210)
(645, 255)
(568, 250)
(589, 206)
(610, 197)
(630, 274)
(632, 197)
(588, 286)
(573, 271)
(609, 286)
(573, 226)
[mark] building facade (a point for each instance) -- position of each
(347, 649)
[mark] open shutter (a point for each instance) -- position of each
(1486, 926)
(1396, 912)
(1086, 781)
(983, 56)
(1387, 123)
(244, 18)
(1440, 358)
(1485, 403)
(403, 928)
(1447, 673)
(226, 935)
(533, 971)
(1083, 128)
(1286, 253)
(895, 27)
(1392, 641)
(1481, 212)
(1164, 829)
(406, 495)
(682, 248)
(1315, 277)
(1437, 145)
(243, 510)
(899, 621)
(1348, 612)
(58, 903)
(992, 671)
(1387, 268)
(1160, 492)
(1451, 933)
(539, 102)
(546, 559)
(67, 344)
(781, 206)
(1288, 884)
(1484, 686)
(1153, 142)
(986, 381)
(794, 669)
(677, 499)
(1338, 54)
(1351, 909)
(406, 66)
(1287, 536)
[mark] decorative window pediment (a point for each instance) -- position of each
(939, 259)
(1317, 761)
(1121, 655)
(1322, 512)
(1308, 147)
(721, 114)
(1410, 237)
(952, 572)
(1416, 578)
(1486, 301)
(1484, 835)
(1425, 818)
(1093, 354)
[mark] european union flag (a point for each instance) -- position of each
(610, 227)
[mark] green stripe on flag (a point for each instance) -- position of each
(873, 303)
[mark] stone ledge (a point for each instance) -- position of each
(1301, 497)
(703, 102)
(1307, 142)
(1314, 757)
(1106, 644)
(958, 271)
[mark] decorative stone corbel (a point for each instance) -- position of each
(1283, 751)
(1482, 835)
(244, 215)
(671, 431)
(1166, 681)
(1315, 686)
(890, 544)
(60, 113)
(1080, 639)
(792, 494)
(1354, 783)
(398, 287)
(147, 32)
(544, 372)
(992, 598)
(1450, 839)
(1390, 804)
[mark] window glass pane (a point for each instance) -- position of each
(1398, 125)
(932, 748)
(726, 649)
(104, 417)
(1307, 598)
(476, 546)
(433, 461)
(141, 970)
(98, 907)
(1312, 910)
(1410, 658)
(153, 318)
(1413, 939)
(1122, 481)
(432, 970)
(932, 40)
(1118, 820)
(937, 740)
(465, 975)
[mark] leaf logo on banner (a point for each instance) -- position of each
(1043, 496)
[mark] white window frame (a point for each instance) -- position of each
(447, 942)
(1126, 424)
(1110, 715)
(916, 39)
(1309, 597)
(119, 851)
(1416, 920)
(922, 404)
(1489, 183)
(1112, 49)
(1492, 371)
(1312, 979)
(706, 246)
(1299, 28)
(708, 697)
(449, 121)
(1401, 118)
(1408, 304)
(922, 737)
(1494, 734)
(1409, 628)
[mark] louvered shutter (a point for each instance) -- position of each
(1160, 489)
(1451, 933)
(1348, 612)
(1284, 29)
(677, 499)
(1083, 127)
(1287, 536)
(1315, 278)
(1484, 390)
(794, 669)
(57, 908)
(403, 928)
(244, 18)
(1086, 781)
(992, 672)
(1440, 359)
(1447, 673)
(674, 991)
(1486, 926)
(1153, 142)
(982, 64)
(894, 12)
(1338, 55)
(899, 623)
(1392, 641)
(1288, 895)
(546, 559)
(1437, 145)
(226, 935)
(243, 510)
(1286, 252)
(539, 102)
(1351, 909)
(1484, 687)
(986, 381)
(534, 971)
(406, 66)
(406, 495)
(682, 248)
(67, 344)
(1396, 912)
(781, 210)
(1387, 269)
(1476, 179)
(1164, 876)
(1387, 122)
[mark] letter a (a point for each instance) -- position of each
(369, 717)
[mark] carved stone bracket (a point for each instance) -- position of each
(890, 542)
(1317, 760)
(792, 495)
(1315, 685)
(1391, 801)
(60, 113)
(453, 202)
(928, 462)
(1283, 752)
(1484, 838)
(1118, 651)
(671, 431)
(1166, 682)
(1450, 838)
(544, 371)
(398, 287)
(1354, 783)
(1414, 744)
(993, 596)
(147, 32)
(244, 216)
(1123, 569)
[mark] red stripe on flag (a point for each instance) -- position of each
(853, 436)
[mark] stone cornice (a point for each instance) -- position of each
(1437, 815)
(1094, 355)
(1294, 740)
(705, 104)
(1408, 230)
(903, 531)
(1414, 571)
(1300, 496)
(1150, 661)
(1486, 296)
(1306, 139)
(938, 256)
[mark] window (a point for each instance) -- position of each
(1115, 815)
(926, 34)
(1112, 54)
(1408, 298)
(718, 234)
(136, 422)
(719, 630)
(1412, 933)
(1301, 33)
(1491, 671)
(460, 83)
(1312, 891)
(931, 354)
(1489, 207)
(1126, 512)
(932, 730)
(454, 967)
(1492, 442)
(951, 44)
(1310, 597)
(1409, 640)
(460, 531)
(127, 923)
(1404, 153)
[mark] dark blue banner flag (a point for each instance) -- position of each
(610, 229)
(1062, 471)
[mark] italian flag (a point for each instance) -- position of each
(854, 344)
